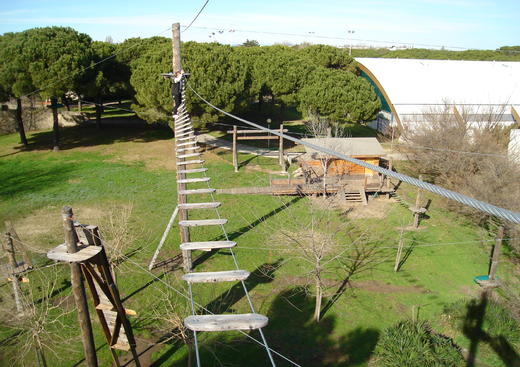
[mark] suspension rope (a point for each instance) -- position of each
(452, 195)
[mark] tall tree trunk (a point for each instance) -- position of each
(99, 106)
(319, 296)
(55, 125)
(19, 122)
(65, 101)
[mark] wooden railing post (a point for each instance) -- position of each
(235, 148)
(280, 150)
(14, 276)
(496, 253)
(78, 289)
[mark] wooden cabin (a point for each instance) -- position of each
(365, 149)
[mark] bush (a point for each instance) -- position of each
(412, 344)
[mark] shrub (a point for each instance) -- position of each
(412, 344)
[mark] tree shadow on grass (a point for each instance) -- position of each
(24, 177)
(86, 135)
(293, 333)
(473, 330)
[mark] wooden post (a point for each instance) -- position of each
(14, 277)
(78, 290)
(235, 148)
(399, 252)
(390, 167)
(176, 46)
(280, 150)
(26, 258)
(417, 214)
(181, 199)
(496, 253)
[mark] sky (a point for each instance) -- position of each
(453, 24)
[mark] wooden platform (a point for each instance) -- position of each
(305, 189)
(216, 276)
(202, 222)
(207, 245)
(249, 321)
(59, 253)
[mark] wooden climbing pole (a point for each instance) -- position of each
(84, 251)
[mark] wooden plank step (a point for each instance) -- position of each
(248, 321)
(188, 206)
(180, 129)
(189, 155)
(195, 170)
(208, 245)
(193, 180)
(216, 276)
(186, 149)
(184, 134)
(202, 222)
(121, 346)
(193, 161)
(186, 138)
(187, 143)
(196, 191)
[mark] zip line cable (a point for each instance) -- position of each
(196, 16)
(463, 199)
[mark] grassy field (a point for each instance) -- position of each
(102, 173)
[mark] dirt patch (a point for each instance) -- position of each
(376, 208)
(377, 287)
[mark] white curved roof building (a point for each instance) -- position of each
(410, 87)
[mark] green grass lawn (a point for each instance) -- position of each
(100, 172)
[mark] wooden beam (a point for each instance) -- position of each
(516, 116)
(253, 131)
(458, 115)
(263, 137)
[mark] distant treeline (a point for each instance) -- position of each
(506, 53)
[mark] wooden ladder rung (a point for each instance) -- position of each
(189, 155)
(188, 143)
(186, 138)
(193, 180)
(189, 206)
(196, 191)
(216, 276)
(187, 133)
(202, 222)
(195, 170)
(193, 161)
(180, 150)
(248, 321)
(183, 128)
(208, 245)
